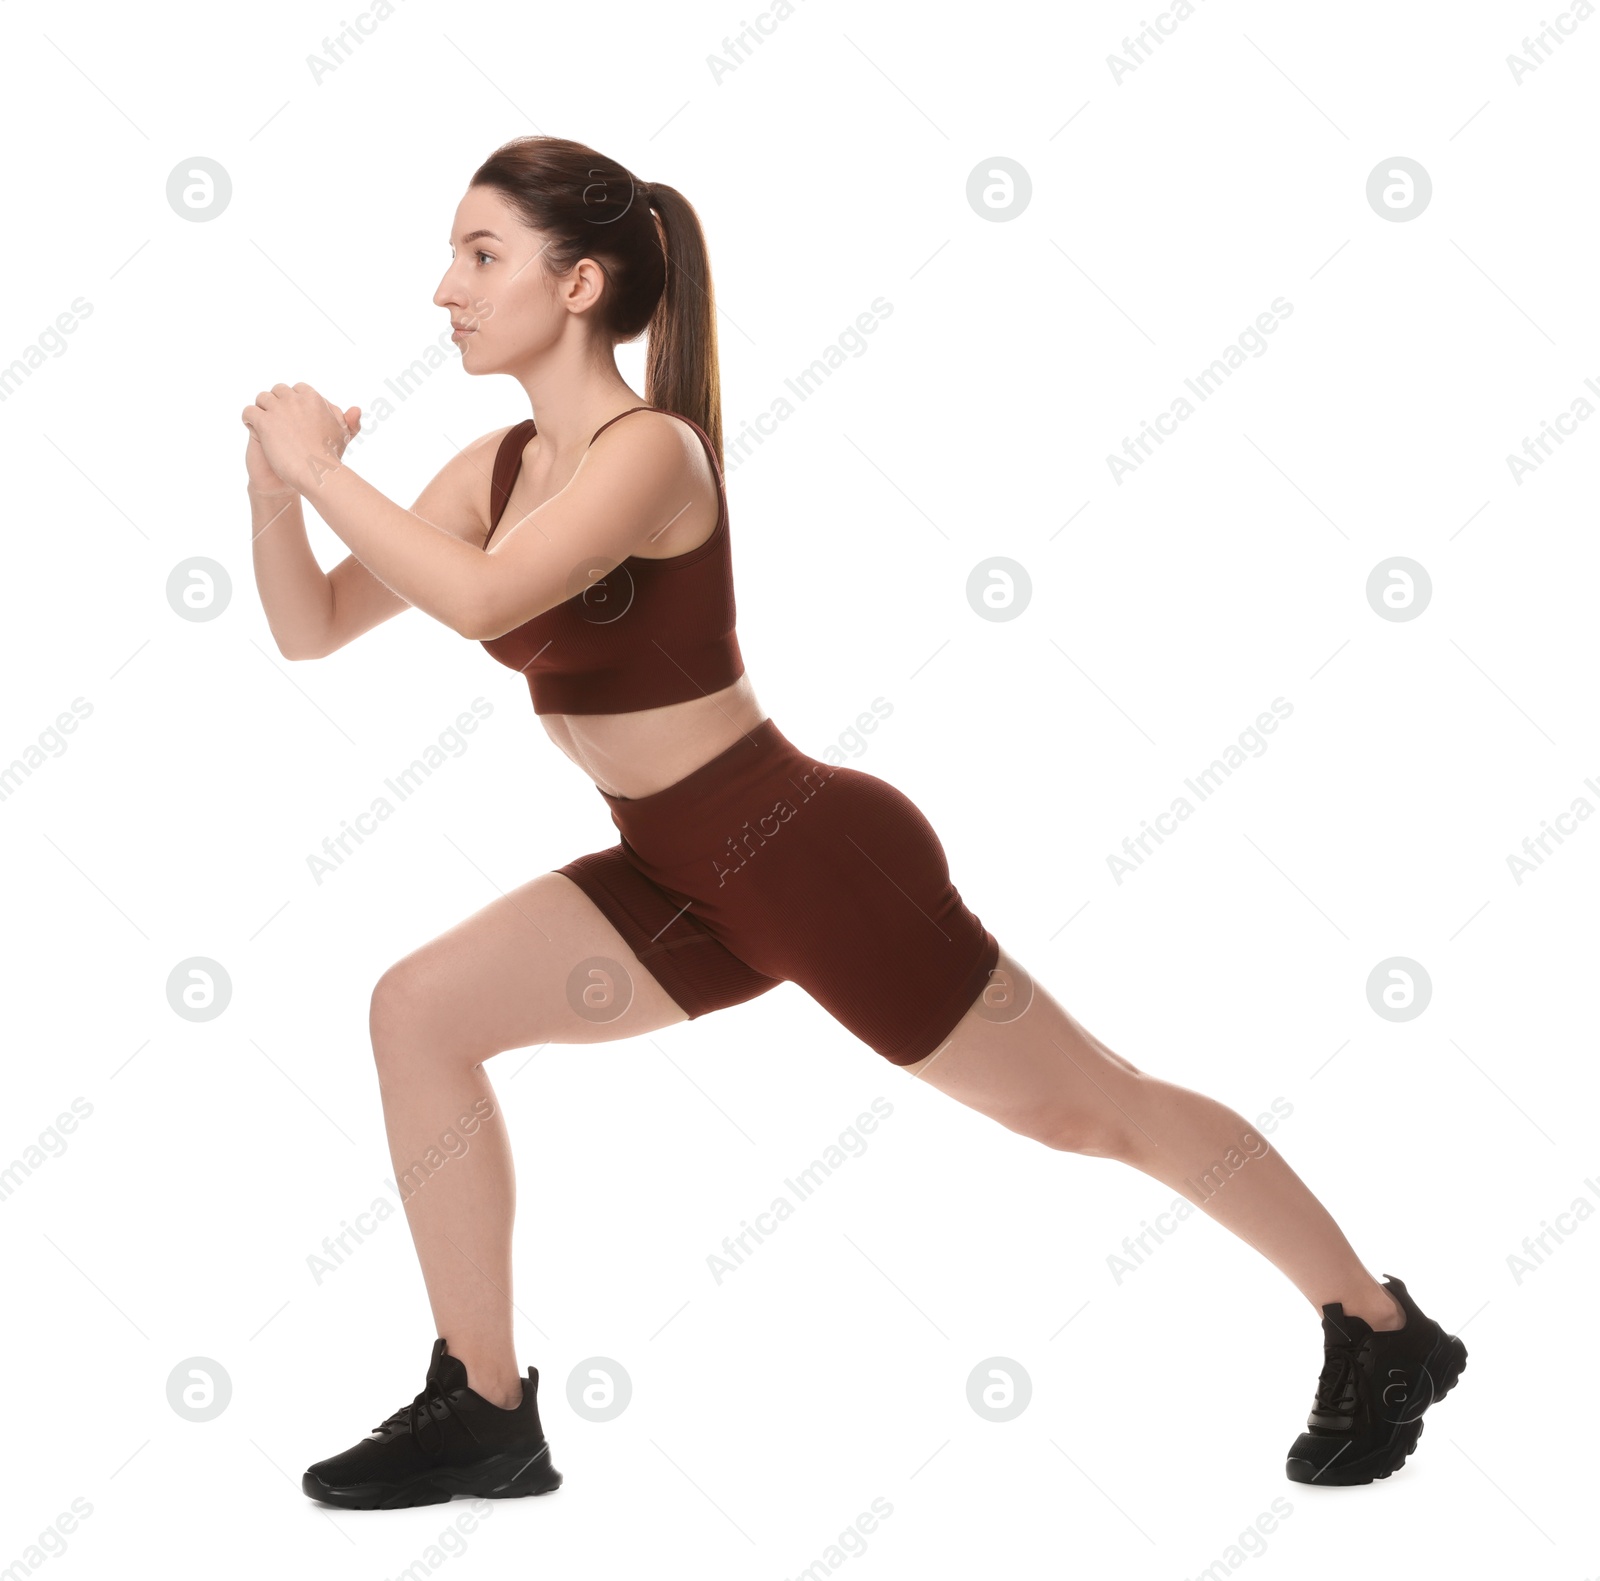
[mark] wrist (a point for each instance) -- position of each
(270, 494)
(321, 475)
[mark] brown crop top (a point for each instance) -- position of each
(648, 633)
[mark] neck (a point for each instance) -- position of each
(570, 398)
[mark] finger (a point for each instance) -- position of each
(282, 389)
(264, 399)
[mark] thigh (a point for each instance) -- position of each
(542, 964)
(1020, 1057)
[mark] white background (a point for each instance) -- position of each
(1168, 611)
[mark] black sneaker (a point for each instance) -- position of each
(1374, 1387)
(448, 1440)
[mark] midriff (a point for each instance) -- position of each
(637, 754)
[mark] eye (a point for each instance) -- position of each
(480, 253)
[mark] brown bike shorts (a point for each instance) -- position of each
(765, 866)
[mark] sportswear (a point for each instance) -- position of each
(647, 633)
(768, 865)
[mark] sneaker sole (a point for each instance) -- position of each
(1445, 1364)
(511, 1476)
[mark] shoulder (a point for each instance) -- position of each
(661, 445)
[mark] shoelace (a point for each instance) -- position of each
(1336, 1384)
(413, 1415)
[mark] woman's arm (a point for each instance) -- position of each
(299, 600)
(312, 613)
(627, 489)
(294, 589)
(302, 437)
(419, 563)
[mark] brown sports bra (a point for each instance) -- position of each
(648, 633)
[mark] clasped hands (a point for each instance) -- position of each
(301, 436)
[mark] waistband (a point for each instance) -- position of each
(755, 748)
(674, 831)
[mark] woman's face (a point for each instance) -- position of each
(506, 308)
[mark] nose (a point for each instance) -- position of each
(449, 293)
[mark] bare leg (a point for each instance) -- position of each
(496, 981)
(1043, 1075)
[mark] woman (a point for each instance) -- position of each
(590, 550)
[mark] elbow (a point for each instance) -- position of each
(484, 618)
(492, 609)
(301, 647)
(475, 625)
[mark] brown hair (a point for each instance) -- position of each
(658, 272)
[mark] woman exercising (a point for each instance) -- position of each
(592, 553)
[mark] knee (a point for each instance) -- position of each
(1076, 1132)
(398, 1012)
(414, 1018)
(1103, 1129)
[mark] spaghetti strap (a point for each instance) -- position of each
(610, 420)
(711, 455)
(507, 463)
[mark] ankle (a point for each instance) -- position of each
(501, 1392)
(491, 1373)
(504, 1392)
(1379, 1309)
